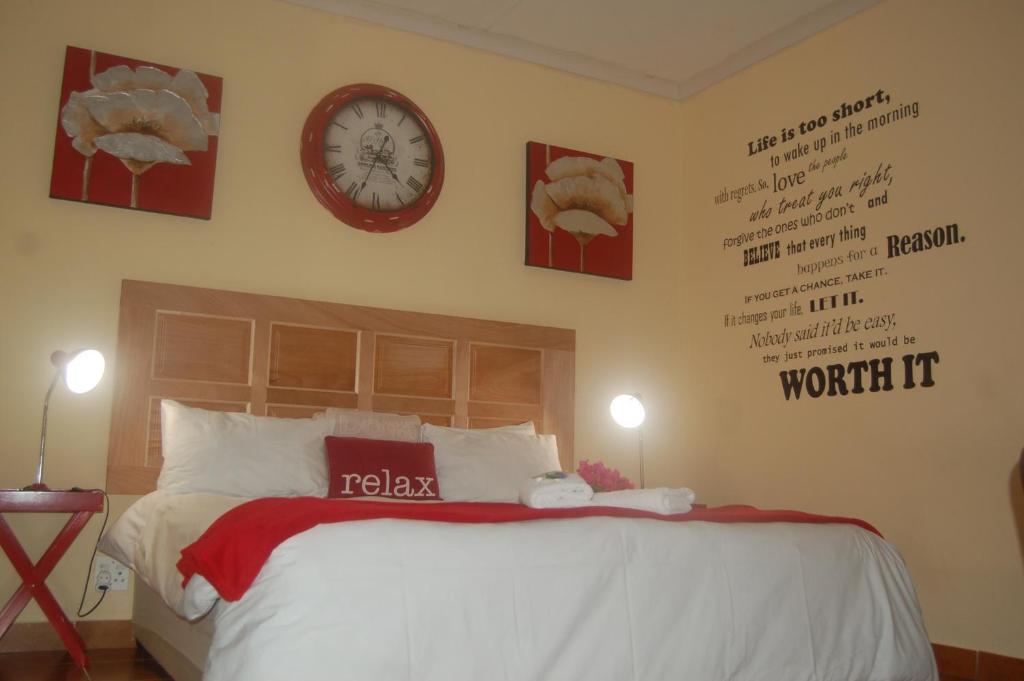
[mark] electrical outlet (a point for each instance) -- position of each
(110, 575)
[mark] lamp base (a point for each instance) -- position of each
(36, 487)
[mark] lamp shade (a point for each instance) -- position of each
(628, 411)
(82, 370)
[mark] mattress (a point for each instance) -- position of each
(615, 599)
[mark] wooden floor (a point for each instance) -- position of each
(130, 664)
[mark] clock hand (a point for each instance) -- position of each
(367, 176)
(390, 171)
(376, 157)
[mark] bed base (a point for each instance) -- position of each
(178, 645)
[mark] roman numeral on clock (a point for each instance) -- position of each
(333, 147)
(339, 125)
(353, 190)
(416, 140)
(359, 111)
(414, 184)
(421, 162)
(382, 109)
(376, 201)
(336, 171)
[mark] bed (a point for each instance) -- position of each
(401, 595)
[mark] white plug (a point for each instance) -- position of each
(110, 575)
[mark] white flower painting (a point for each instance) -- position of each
(142, 115)
(585, 198)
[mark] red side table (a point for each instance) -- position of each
(81, 504)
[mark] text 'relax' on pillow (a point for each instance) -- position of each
(241, 455)
(361, 467)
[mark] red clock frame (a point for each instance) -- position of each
(318, 177)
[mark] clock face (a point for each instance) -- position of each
(372, 157)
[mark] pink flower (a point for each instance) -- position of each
(602, 478)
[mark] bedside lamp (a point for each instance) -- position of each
(628, 411)
(81, 371)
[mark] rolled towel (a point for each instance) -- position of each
(555, 490)
(664, 500)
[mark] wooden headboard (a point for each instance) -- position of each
(274, 356)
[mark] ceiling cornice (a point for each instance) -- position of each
(516, 48)
(796, 32)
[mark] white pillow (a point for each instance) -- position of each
(241, 455)
(488, 465)
(526, 427)
(373, 425)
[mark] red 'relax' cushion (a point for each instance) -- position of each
(359, 467)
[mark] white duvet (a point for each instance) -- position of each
(600, 599)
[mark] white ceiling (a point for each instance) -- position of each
(671, 48)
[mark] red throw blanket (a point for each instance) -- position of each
(232, 551)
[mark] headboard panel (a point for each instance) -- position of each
(275, 356)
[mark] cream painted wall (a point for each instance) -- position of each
(61, 263)
(934, 469)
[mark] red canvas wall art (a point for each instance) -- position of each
(136, 134)
(579, 211)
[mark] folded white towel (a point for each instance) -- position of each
(663, 500)
(565, 491)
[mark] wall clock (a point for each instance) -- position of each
(372, 157)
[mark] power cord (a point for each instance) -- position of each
(88, 574)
